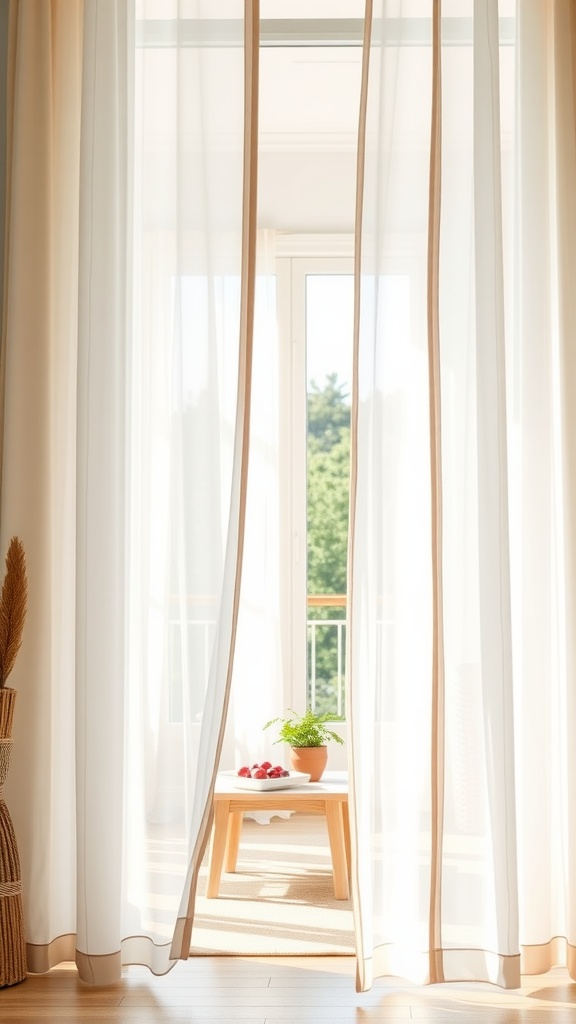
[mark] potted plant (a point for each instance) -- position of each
(307, 736)
(13, 602)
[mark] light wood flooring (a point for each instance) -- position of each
(288, 990)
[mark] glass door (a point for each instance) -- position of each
(329, 299)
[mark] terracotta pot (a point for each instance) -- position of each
(12, 945)
(311, 760)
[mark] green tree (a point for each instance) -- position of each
(328, 474)
(328, 413)
(328, 491)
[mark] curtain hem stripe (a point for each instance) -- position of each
(437, 739)
(363, 972)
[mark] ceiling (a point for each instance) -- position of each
(309, 95)
(310, 69)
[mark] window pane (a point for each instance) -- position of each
(329, 332)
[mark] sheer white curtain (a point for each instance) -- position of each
(126, 442)
(257, 692)
(461, 569)
(189, 418)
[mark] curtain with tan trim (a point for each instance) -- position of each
(39, 475)
(461, 564)
(209, 753)
(128, 406)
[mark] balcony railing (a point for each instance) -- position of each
(326, 654)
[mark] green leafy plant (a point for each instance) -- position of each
(306, 730)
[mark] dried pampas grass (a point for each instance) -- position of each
(13, 603)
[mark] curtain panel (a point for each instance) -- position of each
(40, 325)
(130, 340)
(461, 559)
(128, 380)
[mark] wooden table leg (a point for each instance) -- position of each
(217, 847)
(235, 819)
(335, 822)
(346, 823)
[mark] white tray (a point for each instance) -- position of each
(286, 782)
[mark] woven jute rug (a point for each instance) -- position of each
(280, 900)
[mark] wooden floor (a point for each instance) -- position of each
(289, 990)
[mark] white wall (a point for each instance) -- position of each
(307, 192)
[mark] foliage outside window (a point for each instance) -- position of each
(328, 491)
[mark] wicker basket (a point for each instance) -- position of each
(12, 944)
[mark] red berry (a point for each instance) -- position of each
(259, 773)
(285, 774)
(266, 765)
(245, 772)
